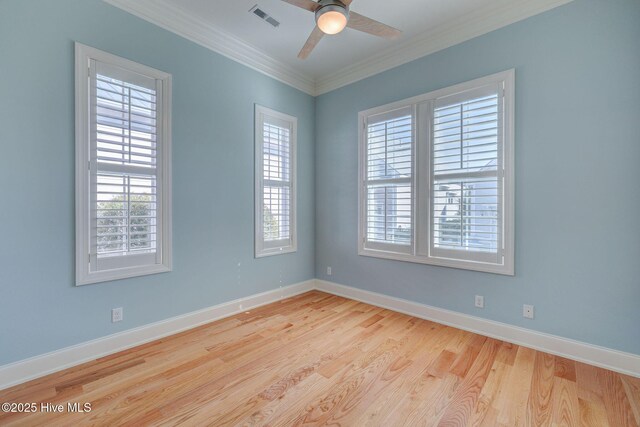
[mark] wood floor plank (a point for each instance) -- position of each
(632, 388)
(467, 356)
(513, 405)
(323, 359)
(566, 407)
(592, 414)
(485, 413)
(565, 368)
(507, 353)
(616, 400)
(467, 394)
(539, 407)
(294, 403)
(438, 403)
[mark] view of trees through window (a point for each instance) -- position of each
(119, 215)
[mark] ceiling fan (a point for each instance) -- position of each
(332, 16)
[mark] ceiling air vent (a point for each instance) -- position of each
(264, 16)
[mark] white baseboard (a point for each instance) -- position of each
(626, 363)
(38, 366)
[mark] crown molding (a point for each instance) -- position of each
(166, 15)
(464, 28)
(195, 29)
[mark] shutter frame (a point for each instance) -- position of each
(274, 120)
(394, 122)
(89, 267)
(500, 263)
(459, 246)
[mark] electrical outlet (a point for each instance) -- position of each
(527, 311)
(117, 315)
(479, 301)
(328, 271)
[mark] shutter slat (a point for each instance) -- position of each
(122, 108)
(118, 89)
(125, 117)
(108, 119)
(478, 147)
(120, 146)
(475, 153)
(104, 132)
(467, 139)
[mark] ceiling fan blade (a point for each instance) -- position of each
(368, 25)
(346, 2)
(309, 5)
(311, 43)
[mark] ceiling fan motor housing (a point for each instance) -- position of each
(331, 6)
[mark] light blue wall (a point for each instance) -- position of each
(213, 97)
(577, 175)
(578, 147)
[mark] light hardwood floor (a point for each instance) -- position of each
(321, 359)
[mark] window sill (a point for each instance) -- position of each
(502, 269)
(121, 273)
(276, 251)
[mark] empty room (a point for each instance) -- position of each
(320, 212)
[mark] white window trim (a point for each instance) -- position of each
(84, 275)
(285, 246)
(421, 179)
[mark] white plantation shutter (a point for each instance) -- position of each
(467, 184)
(125, 212)
(437, 177)
(388, 179)
(275, 182)
(124, 174)
(276, 166)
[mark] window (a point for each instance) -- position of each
(389, 180)
(437, 177)
(123, 175)
(275, 216)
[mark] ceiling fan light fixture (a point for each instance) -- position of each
(332, 19)
(332, 16)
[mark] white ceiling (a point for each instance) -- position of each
(333, 52)
(228, 27)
